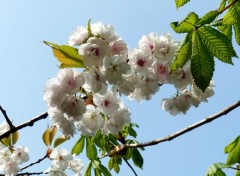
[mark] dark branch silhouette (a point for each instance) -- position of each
(16, 128)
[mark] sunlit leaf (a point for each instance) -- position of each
(202, 63)
(226, 30)
(88, 170)
(236, 28)
(180, 3)
(66, 55)
(186, 25)
(60, 140)
(208, 17)
(215, 170)
(104, 170)
(45, 137)
(91, 149)
(52, 133)
(222, 5)
(217, 43)
(183, 54)
(79, 146)
(233, 14)
(233, 150)
(15, 137)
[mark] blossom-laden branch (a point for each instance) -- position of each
(16, 128)
(183, 131)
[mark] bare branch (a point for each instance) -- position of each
(28, 123)
(130, 166)
(185, 130)
(37, 162)
(7, 119)
(30, 173)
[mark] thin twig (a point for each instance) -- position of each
(130, 166)
(28, 123)
(30, 173)
(7, 118)
(37, 162)
(227, 7)
(185, 130)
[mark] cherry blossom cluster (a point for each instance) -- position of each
(90, 101)
(62, 160)
(11, 157)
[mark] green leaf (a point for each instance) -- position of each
(222, 5)
(110, 163)
(208, 17)
(132, 132)
(104, 170)
(233, 150)
(97, 172)
(183, 54)
(52, 133)
(45, 137)
(89, 28)
(180, 3)
(233, 15)
(226, 30)
(217, 43)
(237, 173)
(137, 158)
(15, 137)
(202, 63)
(116, 167)
(60, 140)
(88, 170)
(91, 149)
(214, 170)
(187, 25)
(79, 146)
(66, 55)
(236, 28)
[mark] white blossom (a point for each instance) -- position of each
(78, 36)
(148, 42)
(51, 171)
(107, 103)
(93, 52)
(161, 71)
(209, 92)
(114, 67)
(60, 158)
(4, 155)
(118, 47)
(10, 168)
(92, 121)
(20, 154)
(76, 166)
(105, 32)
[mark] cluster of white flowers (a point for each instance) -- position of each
(112, 70)
(10, 159)
(62, 160)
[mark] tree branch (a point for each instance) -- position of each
(37, 162)
(227, 7)
(28, 123)
(129, 165)
(7, 119)
(185, 130)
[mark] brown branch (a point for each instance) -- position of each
(30, 173)
(185, 130)
(7, 118)
(228, 6)
(37, 162)
(28, 123)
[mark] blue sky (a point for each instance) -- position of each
(26, 64)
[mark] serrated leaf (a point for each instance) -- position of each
(186, 25)
(183, 54)
(236, 28)
(233, 150)
(88, 170)
(45, 137)
(217, 43)
(60, 140)
(229, 148)
(233, 15)
(91, 149)
(15, 137)
(222, 5)
(66, 55)
(104, 170)
(202, 63)
(214, 170)
(52, 133)
(78, 146)
(208, 17)
(137, 158)
(180, 3)
(226, 30)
